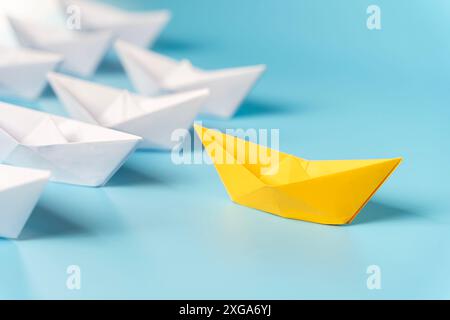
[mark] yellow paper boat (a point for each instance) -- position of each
(327, 192)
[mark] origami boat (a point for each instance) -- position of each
(23, 72)
(82, 51)
(20, 189)
(152, 73)
(153, 119)
(75, 152)
(141, 29)
(327, 192)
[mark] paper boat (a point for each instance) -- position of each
(20, 189)
(23, 72)
(152, 73)
(75, 152)
(327, 192)
(153, 119)
(141, 29)
(82, 51)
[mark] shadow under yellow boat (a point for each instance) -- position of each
(326, 192)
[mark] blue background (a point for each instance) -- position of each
(336, 91)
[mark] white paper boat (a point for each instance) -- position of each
(152, 73)
(23, 72)
(141, 29)
(75, 152)
(82, 51)
(20, 190)
(153, 119)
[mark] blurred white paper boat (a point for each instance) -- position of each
(82, 51)
(75, 152)
(141, 29)
(153, 119)
(152, 73)
(20, 190)
(23, 72)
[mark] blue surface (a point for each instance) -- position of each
(336, 91)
